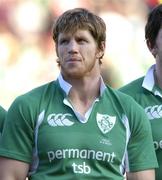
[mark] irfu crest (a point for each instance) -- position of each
(105, 122)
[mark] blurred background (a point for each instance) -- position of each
(27, 54)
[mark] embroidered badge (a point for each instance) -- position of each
(105, 122)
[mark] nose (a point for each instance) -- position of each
(73, 46)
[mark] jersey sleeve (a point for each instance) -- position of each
(17, 137)
(140, 150)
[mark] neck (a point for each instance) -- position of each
(86, 88)
(83, 94)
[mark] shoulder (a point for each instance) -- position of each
(2, 110)
(2, 113)
(127, 105)
(134, 113)
(133, 88)
(123, 101)
(34, 97)
(120, 95)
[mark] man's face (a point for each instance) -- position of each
(157, 49)
(77, 53)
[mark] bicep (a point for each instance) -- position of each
(141, 175)
(12, 169)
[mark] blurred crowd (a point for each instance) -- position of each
(27, 56)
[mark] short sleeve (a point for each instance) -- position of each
(17, 137)
(140, 150)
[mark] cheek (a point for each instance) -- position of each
(89, 51)
(60, 52)
(160, 46)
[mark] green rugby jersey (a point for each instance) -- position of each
(2, 117)
(43, 131)
(144, 91)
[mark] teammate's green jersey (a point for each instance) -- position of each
(41, 129)
(2, 118)
(145, 92)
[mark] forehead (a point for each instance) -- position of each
(77, 33)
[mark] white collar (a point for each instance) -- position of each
(67, 86)
(149, 81)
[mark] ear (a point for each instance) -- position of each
(153, 50)
(103, 46)
(58, 61)
(101, 50)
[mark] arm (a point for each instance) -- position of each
(141, 175)
(12, 169)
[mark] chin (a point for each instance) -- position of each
(75, 75)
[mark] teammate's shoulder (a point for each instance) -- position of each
(133, 87)
(121, 96)
(124, 103)
(2, 109)
(2, 112)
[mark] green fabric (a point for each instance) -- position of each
(152, 105)
(2, 117)
(65, 148)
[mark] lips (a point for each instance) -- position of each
(73, 59)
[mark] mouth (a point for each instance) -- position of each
(73, 60)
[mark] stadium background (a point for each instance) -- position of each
(27, 55)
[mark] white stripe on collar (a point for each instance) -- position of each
(66, 86)
(149, 81)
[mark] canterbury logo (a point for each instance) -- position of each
(154, 112)
(59, 120)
